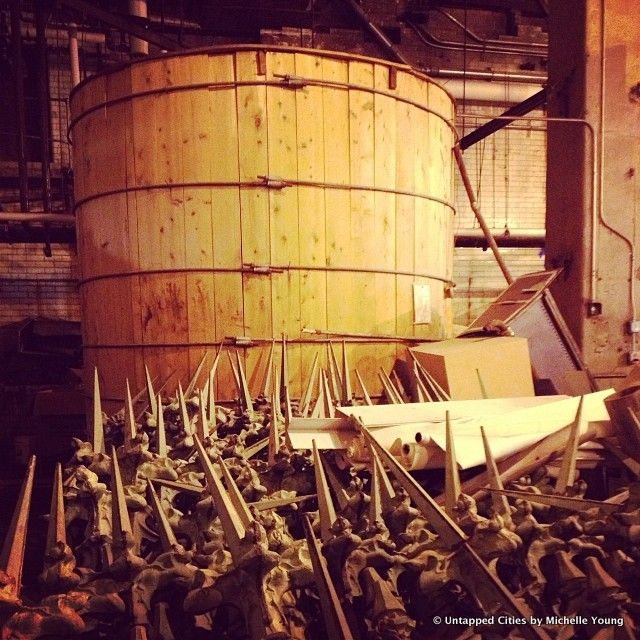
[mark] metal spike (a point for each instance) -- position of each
(234, 494)
(365, 393)
(500, 502)
(212, 383)
(274, 437)
(328, 407)
(398, 386)
(234, 531)
(335, 621)
(255, 448)
(130, 431)
(168, 540)
(483, 389)
(627, 461)
(562, 502)
(121, 532)
(202, 426)
(451, 473)
(98, 426)
(375, 501)
(161, 434)
(211, 400)
(347, 395)
(186, 421)
(333, 372)
(12, 556)
(318, 408)
(140, 414)
(236, 375)
(194, 380)
(193, 489)
(245, 396)
(285, 398)
(268, 372)
(385, 488)
(306, 397)
(264, 505)
(151, 394)
(339, 491)
(567, 473)
(492, 589)
(326, 510)
(423, 394)
(56, 530)
(440, 392)
(389, 390)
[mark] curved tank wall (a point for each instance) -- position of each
(254, 192)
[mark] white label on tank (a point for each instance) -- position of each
(421, 304)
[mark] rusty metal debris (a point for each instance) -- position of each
(203, 521)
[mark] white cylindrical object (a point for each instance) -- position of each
(73, 55)
(487, 91)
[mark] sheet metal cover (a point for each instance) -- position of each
(518, 296)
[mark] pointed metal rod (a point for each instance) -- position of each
(423, 394)
(555, 500)
(274, 437)
(168, 540)
(397, 385)
(151, 394)
(365, 393)
(254, 448)
(335, 621)
(305, 402)
(265, 388)
(326, 510)
(202, 426)
(451, 473)
(130, 430)
(211, 400)
(245, 396)
(333, 372)
(493, 590)
(567, 473)
(500, 502)
(387, 492)
(236, 375)
(184, 414)
(234, 494)
(347, 394)
(318, 407)
(121, 532)
(328, 407)
(97, 437)
(12, 555)
(234, 531)
(194, 380)
(342, 498)
(285, 397)
(387, 385)
(161, 434)
(56, 529)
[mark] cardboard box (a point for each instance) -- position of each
(458, 365)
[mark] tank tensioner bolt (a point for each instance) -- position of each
(293, 82)
(273, 182)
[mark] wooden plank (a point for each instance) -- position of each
(253, 161)
(283, 208)
(311, 151)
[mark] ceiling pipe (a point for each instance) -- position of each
(489, 76)
(58, 36)
(484, 91)
(74, 57)
(67, 219)
(449, 45)
(138, 9)
(487, 41)
(518, 238)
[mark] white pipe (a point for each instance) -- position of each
(138, 8)
(73, 54)
(483, 91)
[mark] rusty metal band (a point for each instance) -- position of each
(254, 342)
(262, 270)
(300, 83)
(263, 184)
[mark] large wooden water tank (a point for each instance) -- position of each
(251, 192)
